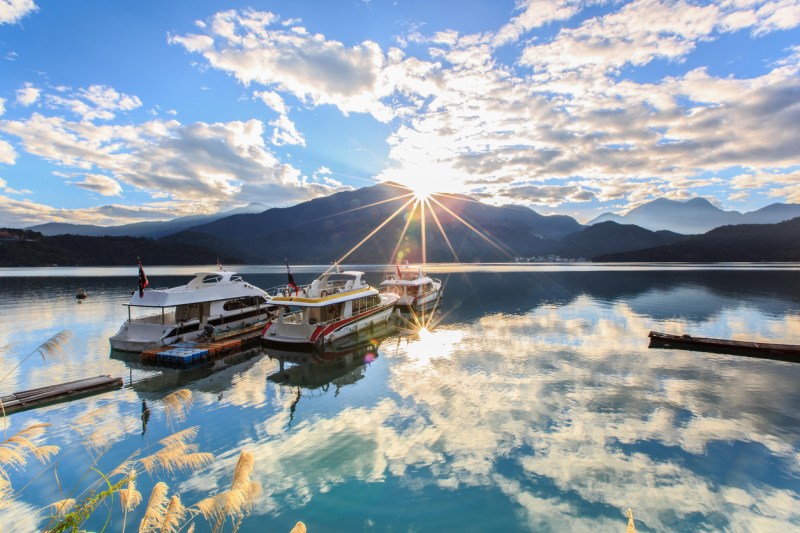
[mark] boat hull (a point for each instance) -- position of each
(137, 339)
(303, 336)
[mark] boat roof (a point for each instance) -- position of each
(407, 277)
(209, 286)
(311, 295)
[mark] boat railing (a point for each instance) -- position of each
(312, 291)
(168, 318)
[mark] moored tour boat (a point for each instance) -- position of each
(334, 306)
(416, 290)
(212, 304)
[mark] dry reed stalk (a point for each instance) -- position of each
(129, 497)
(236, 502)
(62, 507)
(126, 466)
(101, 427)
(174, 516)
(16, 447)
(177, 454)
(5, 492)
(156, 508)
(177, 404)
(631, 525)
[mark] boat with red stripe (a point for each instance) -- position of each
(334, 306)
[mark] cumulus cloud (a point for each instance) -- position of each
(99, 184)
(12, 11)
(573, 118)
(256, 48)
(536, 13)
(96, 102)
(188, 168)
(285, 132)
(28, 95)
(8, 155)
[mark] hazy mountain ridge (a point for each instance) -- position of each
(744, 242)
(152, 229)
(612, 237)
(696, 216)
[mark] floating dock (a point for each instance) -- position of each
(20, 401)
(763, 350)
(187, 353)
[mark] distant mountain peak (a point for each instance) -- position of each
(700, 201)
(697, 215)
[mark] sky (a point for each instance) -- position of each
(120, 112)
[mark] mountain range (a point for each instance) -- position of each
(366, 225)
(695, 216)
(325, 229)
(745, 242)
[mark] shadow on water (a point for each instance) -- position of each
(340, 364)
(215, 376)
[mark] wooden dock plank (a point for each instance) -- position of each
(763, 350)
(62, 391)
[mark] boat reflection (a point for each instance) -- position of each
(338, 364)
(214, 376)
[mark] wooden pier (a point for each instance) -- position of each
(20, 401)
(763, 350)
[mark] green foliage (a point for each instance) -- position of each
(32, 249)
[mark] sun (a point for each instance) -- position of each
(423, 189)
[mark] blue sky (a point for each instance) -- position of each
(117, 112)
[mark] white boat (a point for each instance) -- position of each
(416, 290)
(212, 304)
(334, 306)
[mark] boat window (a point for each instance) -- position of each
(212, 278)
(239, 303)
(329, 312)
(187, 312)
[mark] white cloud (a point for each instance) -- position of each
(285, 132)
(496, 133)
(8, 155)
(28, 95)
(210, 165)
(2, 106)
(638, 33)
(272, 100)
(96, 102)
(256, 49)
(12, 11)
(775, 16)
(536, 13)
(99, 184)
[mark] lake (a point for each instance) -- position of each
(532, 404)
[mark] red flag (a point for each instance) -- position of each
(291, 284)
(142, 279)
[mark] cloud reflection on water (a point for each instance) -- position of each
(571, 394)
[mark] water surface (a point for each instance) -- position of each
(533, 405)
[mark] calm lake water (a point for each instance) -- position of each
(534, 404)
